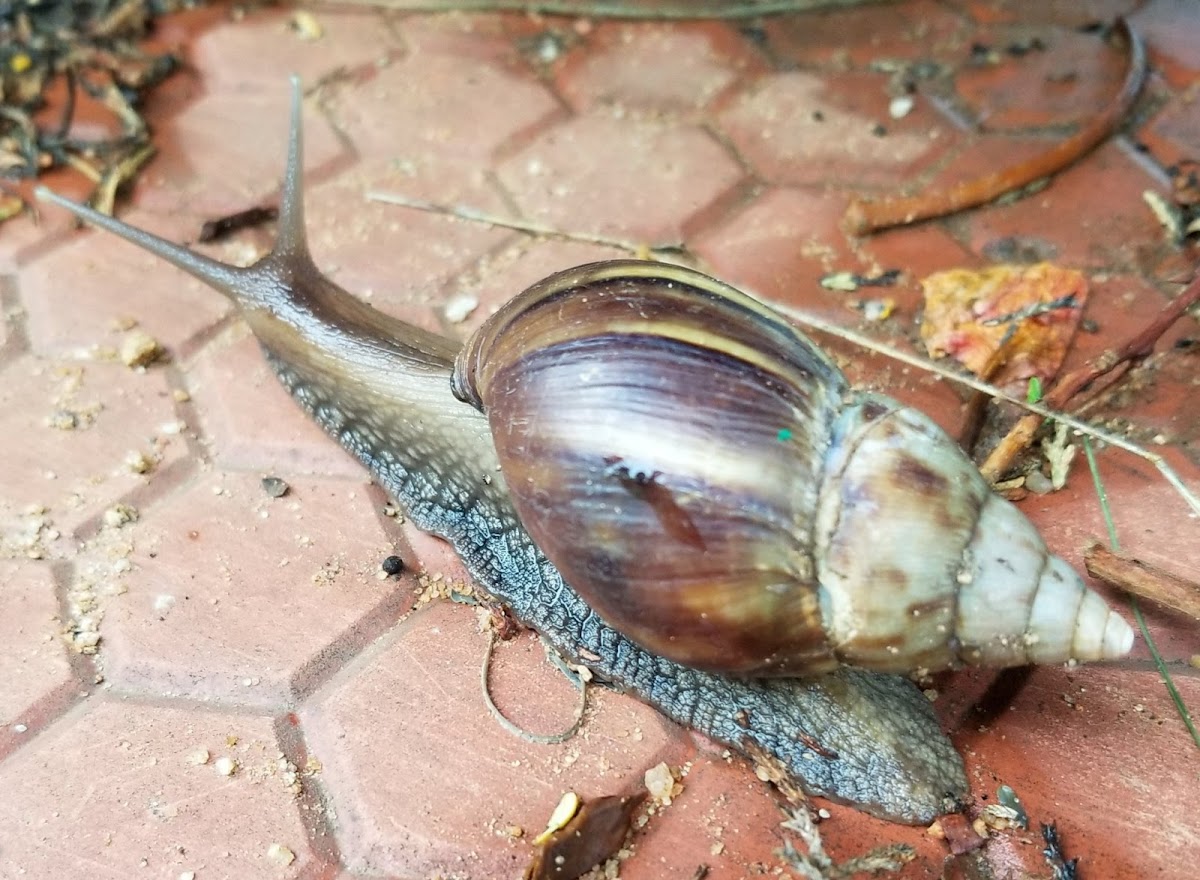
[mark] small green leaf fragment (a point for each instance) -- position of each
(1035, 390)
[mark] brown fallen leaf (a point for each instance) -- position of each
(1014, 321)
(592, 836)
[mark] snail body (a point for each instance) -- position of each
(772, 522)
(786, 423)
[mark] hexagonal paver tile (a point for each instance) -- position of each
(33, 663)
(259, 428)
(396, 257)
(1071, 80)
(501, 276)
(723, 819)
(1070, 13)
(24, 233)
(914, 30)
(225, 152)
(79, 295)
(239, 597)
(799, 127)
(440, 105)
(1167, 28)
(79, 423)
(260, 49)
(1092, 213)
(117, 789)
(425, 782)
(1135, 739)
(780, 245)
(655, 67)
(635, 178)
(1175, 133)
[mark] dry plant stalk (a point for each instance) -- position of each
(1137, 348)
(863, 217)
(811, 321)
(815, 864)
(1143, 579)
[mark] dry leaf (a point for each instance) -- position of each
(593, 835)
(1033, 311)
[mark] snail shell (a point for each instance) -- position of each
(707, 480)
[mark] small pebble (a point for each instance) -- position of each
(275, 487)
(460, 306)
(225, 766)
(660, 783)
(139, 349)
(901, 106)
(392, 565)
(306, 26)
(280, 855)
(119, 515)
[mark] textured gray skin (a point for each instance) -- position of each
(382, 389)
(880, 747)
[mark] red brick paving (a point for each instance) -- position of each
(237, 625)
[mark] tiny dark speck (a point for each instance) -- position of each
(392, 565)
(275, 487)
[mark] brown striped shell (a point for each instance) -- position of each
(705, 478)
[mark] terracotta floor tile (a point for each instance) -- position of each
(246, 599)
(348, 232)
(1094, 214)
(37, 676)
(720, 820)
(1167, 25)
(1175, 135)
(124, 284)
(693, 133)
(226, 151)
(435, 104)
(1069, 13)
(265, 43)
(1071, 79)
(590, 175)
(1135, 783)
(800, 127)
(900, 31)
(119, 787)
(661, 69)
(747, 247)
(248, 420)
(442, 799)
(73, 427)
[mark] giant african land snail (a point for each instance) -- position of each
(705, 478)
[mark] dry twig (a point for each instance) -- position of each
(1143, 579)
(1137, 348)
(862, 217)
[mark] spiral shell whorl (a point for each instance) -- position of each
(951, 574)
(704, 477)
(659, 432)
